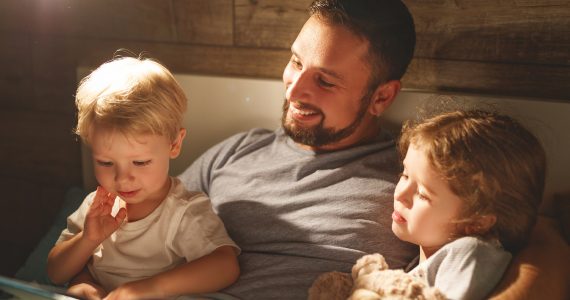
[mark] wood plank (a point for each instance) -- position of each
(531, 3)
(14, 16)
(39, 147)
(54, 98)
(494, 31)
(15, 94)
(39, 204)
(15, 56)
(204, 22)
(517, 80)
(483, 31)
(193, 59)
(54, 60)
(495, 79)
(150, 20)
(269, 23)
(38, 73)
(16, 85)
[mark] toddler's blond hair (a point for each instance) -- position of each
(131, 95)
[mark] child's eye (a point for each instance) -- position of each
(140, 163)
(104, 163)
(403, 175)
(423, 197)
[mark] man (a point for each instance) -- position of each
(316, 194)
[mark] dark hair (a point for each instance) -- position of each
(491, 162)
(386, 24)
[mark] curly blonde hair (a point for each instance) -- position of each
(131, 95)
(491, 162)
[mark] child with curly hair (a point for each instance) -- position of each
(468, 195)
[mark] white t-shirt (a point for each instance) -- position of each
(467, 268)
(181, 229)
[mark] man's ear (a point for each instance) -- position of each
(176, 145)
(383, 97)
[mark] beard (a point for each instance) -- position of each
(318, 135)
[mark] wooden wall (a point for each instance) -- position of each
(515, 48)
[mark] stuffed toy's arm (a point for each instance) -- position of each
(371, 279)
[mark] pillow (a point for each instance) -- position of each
(34, 268)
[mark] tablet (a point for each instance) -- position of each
(14, 289)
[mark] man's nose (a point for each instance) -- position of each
(300, 87)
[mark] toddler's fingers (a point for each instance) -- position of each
(106, 208)
(121, 216)
(100, 196)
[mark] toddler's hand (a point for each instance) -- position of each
(87, 291)
(99, 223)
(133, 290)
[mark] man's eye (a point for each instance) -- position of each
(104, 163)
(297, 64)
(141, 163)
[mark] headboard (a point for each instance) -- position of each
(219, 107)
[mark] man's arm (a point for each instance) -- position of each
(209, 273)
(541, 270)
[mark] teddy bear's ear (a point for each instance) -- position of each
(394, 285)
(364, 294)
(368, 264)
(331, 286)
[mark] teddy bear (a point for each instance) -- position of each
(370, 280)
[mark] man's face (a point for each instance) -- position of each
(327, 101)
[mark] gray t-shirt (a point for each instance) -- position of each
(296, 213)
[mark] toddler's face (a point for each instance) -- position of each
(424, 205)
(134, 167)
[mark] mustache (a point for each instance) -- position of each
(301, 105)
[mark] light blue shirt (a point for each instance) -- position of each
(467, 268)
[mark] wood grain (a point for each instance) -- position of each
(106, 19)
(493, 33)
(269, 23)
(204, 22)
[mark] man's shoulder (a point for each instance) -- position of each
(251, 136)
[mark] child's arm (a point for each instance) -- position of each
(68, 258)
(209, 273)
